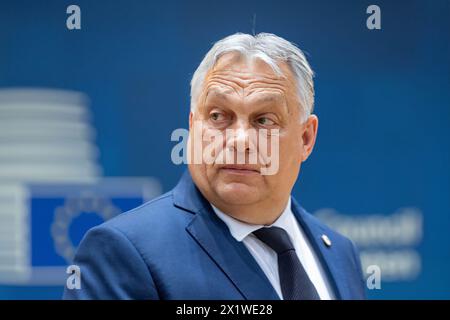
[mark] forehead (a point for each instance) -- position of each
(235, 61)
(239, 74)
(223, 94)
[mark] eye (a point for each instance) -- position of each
(217, 116)
(265, 121)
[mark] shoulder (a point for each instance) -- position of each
(151, 222)
(322, 232)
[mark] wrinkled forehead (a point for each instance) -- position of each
(237, 61)
(234, 70)
(251, 64)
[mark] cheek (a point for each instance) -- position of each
(290, 148)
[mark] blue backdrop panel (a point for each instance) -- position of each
(382, 97)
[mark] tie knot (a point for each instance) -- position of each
(276, 238)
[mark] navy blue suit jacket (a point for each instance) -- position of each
(175, 247)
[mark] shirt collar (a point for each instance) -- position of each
(240, 230)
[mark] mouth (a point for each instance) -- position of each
(240, 169)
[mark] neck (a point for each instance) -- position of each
(259, 213)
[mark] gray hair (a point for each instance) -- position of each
(269, 48)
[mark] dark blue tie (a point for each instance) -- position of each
(294, 281)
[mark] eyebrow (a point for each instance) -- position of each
(216, 94)
(270, 98)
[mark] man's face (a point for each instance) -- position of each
(247, 96)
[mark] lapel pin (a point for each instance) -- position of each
(326, 240)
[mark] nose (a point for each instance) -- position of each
(241, 140)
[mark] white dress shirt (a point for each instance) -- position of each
(267, 257)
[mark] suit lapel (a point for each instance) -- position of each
(233, 258)
(327, 255)
(213, 236)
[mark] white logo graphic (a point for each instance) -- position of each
(374, 279)
(73, 21)
(374, 20)
(74, 279)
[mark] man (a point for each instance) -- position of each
(227, 230)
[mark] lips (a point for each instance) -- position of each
(241, 169)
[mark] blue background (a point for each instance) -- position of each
(382, 96)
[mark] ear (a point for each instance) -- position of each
(191, 116)
(309, 135)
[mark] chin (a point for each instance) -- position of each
(238, 193)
